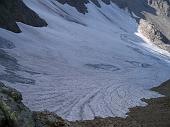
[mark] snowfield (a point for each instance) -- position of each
(85, 65)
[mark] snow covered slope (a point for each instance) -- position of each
(82, 66)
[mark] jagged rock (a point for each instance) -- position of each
(49, 119)
(135, 6)
(78, 4)
(12, 11)
(163, 89)
(15, 112)
(151, 32)
(162, 6)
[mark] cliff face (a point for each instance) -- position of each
(154, 34)
(162, 7)
(160, 23)
(12, 11)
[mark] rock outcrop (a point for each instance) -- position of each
(78, 4)
(162, 7)
(48, 119)
(12, 11)
(13, 113)
(160, 23)
(164, 88)
(151, 32)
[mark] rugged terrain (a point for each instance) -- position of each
(12, 11)
(13, 113)
(89, 61)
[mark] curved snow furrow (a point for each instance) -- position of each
(107, 99)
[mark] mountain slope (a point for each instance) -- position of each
(82, 65)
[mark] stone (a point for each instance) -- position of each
(152, 33)
(49, 119)
(12, 11)
(15, 112)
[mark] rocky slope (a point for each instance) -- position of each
(153, 33)
(158, 24)
(13, 113)
(12, 11)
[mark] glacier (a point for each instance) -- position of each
(85, 66)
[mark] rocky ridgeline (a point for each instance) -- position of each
(12, 11)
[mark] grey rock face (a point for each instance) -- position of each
(160, 23)
(12, 11)
(150, 31)
(162, 6)
(48, 119)
(135, 6)
(78, 4)
(6, 44)
(13, 112)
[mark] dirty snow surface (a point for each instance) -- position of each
(82, 66)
